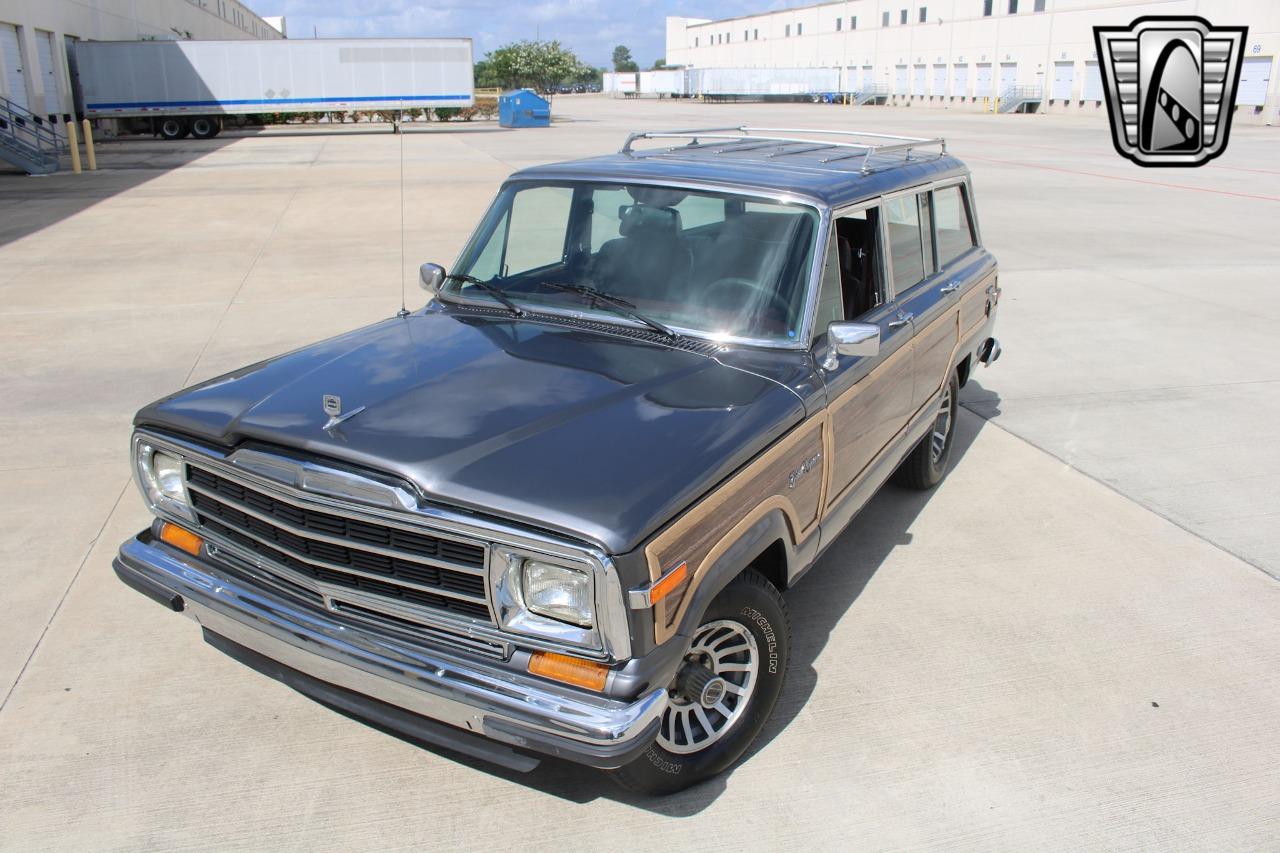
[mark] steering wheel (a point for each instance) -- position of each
(752, 292)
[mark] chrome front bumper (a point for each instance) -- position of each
(317, 651)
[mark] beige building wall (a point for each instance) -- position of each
(942, 56)
(43, 27)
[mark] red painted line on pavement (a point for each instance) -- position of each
(1122, 178)
(1243, 169)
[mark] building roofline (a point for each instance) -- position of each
(765, 14)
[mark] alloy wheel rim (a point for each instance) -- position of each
(729, 650)
(941, 427)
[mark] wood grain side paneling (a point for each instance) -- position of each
(934, 347)
(707, 529)
(973, 306)
(865, 417)
(838, 443)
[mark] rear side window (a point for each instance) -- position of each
(906, 250)
(951, 215)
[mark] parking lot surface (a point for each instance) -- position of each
(1071, 643)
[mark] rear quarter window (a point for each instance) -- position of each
(951, 218)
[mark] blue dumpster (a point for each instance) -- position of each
(523, 108)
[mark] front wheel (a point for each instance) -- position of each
(724, 692)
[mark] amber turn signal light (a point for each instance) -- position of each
(570, 670)
(183, 540)
(669, 583)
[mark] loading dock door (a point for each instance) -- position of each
(868, 78)
(1255, 76)
(940, 80)
(48, 72)
(1064, 76)
(12, 58)
(900, 80)
(1092, 82)
(917, 81)
(982, 87)
(1008, 76)
(960, 81)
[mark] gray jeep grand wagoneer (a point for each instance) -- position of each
(553, 512)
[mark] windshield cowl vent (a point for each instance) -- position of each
(688, 344)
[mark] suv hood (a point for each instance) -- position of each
(601, 437)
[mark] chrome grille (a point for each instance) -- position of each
(338, 553)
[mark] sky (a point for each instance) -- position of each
(590, 28)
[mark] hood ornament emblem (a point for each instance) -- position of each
(333, 408)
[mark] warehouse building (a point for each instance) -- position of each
(965, 54)
(37, 62)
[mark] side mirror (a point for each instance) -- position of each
(431, 276)
(862, 339)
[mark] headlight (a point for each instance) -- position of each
(559, 593)
(160, 479)
(556, 602)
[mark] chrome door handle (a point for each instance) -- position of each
(950, 288)
(903, 320)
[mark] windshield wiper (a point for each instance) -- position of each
(492, 290)
(622, 306)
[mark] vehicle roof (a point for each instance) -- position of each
(830, 177)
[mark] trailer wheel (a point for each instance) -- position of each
(205, 127)
(174, 128)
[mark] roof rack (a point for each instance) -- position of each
(724, 140)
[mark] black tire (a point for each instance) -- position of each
(173, 128)
(751, 603)
(205, 127)
(927, 464)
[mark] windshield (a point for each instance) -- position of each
(713, 263)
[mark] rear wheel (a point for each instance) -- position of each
(205, 127)
(927, 464)
(724, 692)
(173, 128)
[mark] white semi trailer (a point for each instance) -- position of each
(189, 86)
(768, 83)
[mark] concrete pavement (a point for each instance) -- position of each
(1055, 648)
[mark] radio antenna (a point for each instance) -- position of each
(404, 311)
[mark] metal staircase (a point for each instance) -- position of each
(27, 141)
(872, 95)
(1015, 98)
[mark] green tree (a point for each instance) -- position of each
(538, 65)
(585, 74)
(659, 64)
(622, 60)
(486, 77)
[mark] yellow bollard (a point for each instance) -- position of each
(75, 146)
(88, 146)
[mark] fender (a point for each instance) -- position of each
(738, 553)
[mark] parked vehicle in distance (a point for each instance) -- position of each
(190, 87)
(554, 512)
